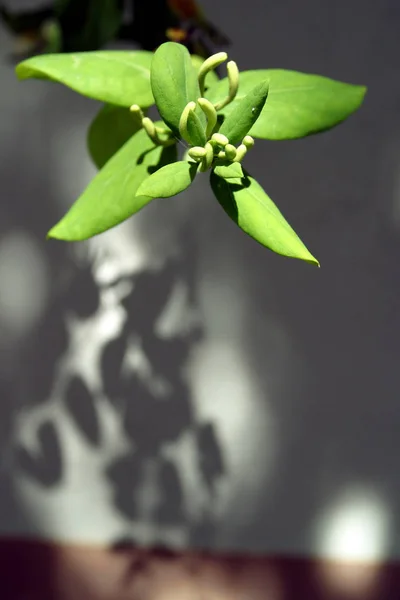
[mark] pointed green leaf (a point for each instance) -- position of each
(255, 213)
(110, 129)
(245, 113)
(174, 84)
(169, 181)
(196, 129)
(298, 104)
(110, 197)
(232, 171)
(120, 77)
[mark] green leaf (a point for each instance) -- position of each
(169, 181)
(211, 77)
(255, 213)
(113, 76)
(110, 129)
(196, 129)
(245, 113)
(110, 197)
(298, 104)
(232, 171)
(174, 84)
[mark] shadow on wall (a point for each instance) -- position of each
(141, 381)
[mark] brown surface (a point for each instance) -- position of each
(42, 571)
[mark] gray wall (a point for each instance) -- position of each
(264, 392)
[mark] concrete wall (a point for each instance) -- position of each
(257, 407)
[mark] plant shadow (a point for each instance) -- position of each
(151, 399)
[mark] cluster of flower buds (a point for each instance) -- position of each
(216, 147)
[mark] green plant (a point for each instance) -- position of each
(217, 121)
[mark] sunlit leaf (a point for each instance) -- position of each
(110, 197)
(255, 213)
(298, 104)
(232, 171)
(174, 84)
(245, 113)
(169, 181)
(120, 77)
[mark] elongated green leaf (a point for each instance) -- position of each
(120, 77)
(110, 129)
(298, 104)
(255, 213)
(196, 129)
(110, 197)
(245, 113)
(169, 181)
(174, 84)
(232, 171)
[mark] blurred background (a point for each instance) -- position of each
(172, 382)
